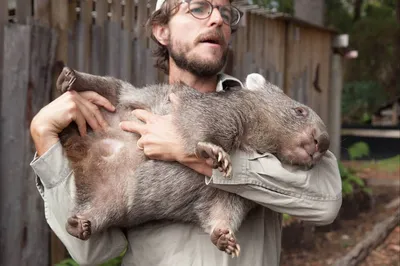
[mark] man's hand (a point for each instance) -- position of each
(160, 140)
(58, 114)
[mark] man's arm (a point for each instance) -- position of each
(311, 195)
(54, 178)
(55, 183)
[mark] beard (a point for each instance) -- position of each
(197, 66)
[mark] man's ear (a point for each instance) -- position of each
(161, 33)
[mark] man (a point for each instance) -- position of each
(193, 39)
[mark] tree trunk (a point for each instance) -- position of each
(357, 9)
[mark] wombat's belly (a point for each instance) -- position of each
(164, 190)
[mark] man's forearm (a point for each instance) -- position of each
(196, 164)
(42, 138)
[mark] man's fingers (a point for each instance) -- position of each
(88, 115)
(132, 126)
(143, 115)
(81, 122)
(92, 112)
(97, 99)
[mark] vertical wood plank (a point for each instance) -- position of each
(72, 28)
(12, 138)
(23, 11)
(99, 44)
(113, 45)
(84, 36)
(60, 21)
(126, 42)
(42, 12)
(43, 46)
(141, 43)
(3, 21)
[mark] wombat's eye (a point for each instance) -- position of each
(300, 111)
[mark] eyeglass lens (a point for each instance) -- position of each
(202, 9)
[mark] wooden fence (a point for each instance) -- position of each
(108, 37)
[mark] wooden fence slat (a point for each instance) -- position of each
(12, 142)
(60, 21)
(126, 42)
(43, 48)
(113, 44)
(72, 28)
(3, 21)
(23, 11)
(141, 62)
(83, 36)
(113, 40)
(42, 12)
(99, 45)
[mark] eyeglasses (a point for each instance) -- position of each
(202, 9)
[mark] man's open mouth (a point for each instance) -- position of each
(211, 41)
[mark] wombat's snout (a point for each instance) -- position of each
(322, 142)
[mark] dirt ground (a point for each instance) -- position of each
(330, 245)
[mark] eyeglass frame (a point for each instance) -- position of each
(212, 10)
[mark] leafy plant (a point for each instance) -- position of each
(358, 150)
(350, 180)
(113, 262)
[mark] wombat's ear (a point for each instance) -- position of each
(255, 81)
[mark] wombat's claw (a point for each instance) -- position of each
(224, 240)
(220, 159)
(80, 228)
(66, 79)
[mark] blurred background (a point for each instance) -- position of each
(340, 57)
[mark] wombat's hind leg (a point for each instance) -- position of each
(215, 156)
(79, 227)
(66, 79)
(225, 240)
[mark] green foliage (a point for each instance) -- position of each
(350, 180)
(286, 217)
(113, 262)
(370, 79)
(285, 6)
(358, 150)
(338, 16)
(360, 99)
(70, 262)
(389, 164)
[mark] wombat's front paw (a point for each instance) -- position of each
(215, 156)
(225, 240)
(78, 227)
(66, 79)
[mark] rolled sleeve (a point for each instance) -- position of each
(52, 167)
(312, 195)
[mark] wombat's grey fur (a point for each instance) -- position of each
(116, 185)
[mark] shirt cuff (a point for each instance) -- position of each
(266, 172)
(52, 167)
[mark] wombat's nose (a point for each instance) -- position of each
(322, 142)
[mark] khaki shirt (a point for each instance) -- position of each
(313, 196)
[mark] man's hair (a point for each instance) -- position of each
(162, 17)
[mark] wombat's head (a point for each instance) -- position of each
(299, 134)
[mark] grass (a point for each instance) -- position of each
(390, 165)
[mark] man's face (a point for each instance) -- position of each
(199, 46)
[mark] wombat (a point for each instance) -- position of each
(116, 185)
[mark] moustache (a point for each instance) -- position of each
(214, 36)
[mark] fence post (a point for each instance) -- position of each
(3, 21)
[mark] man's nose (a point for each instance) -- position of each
(216, 18)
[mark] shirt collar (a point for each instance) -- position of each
(225, 81)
